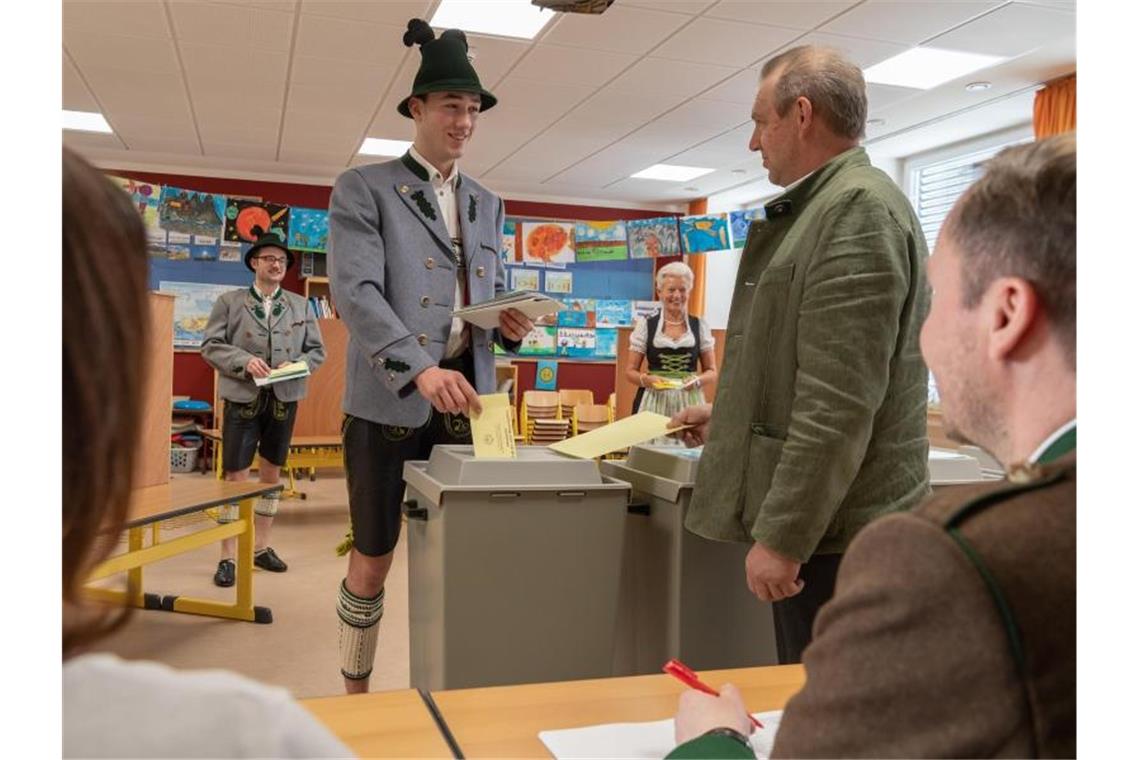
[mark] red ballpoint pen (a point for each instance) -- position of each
(685, 675)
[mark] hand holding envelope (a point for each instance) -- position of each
(492, 432)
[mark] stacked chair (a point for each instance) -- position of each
(570, 398)
(587, 417)
(542, 421)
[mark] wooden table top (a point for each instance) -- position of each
(185, 495)
(298, 441)
(504, 721)
(384, 724)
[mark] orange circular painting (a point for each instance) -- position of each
(545, 241)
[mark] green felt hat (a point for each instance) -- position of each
(267, 240)
(444, 66)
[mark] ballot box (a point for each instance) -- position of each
(682, 595)
(513, 567)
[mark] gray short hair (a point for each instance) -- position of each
(675, 269)
(833, 84)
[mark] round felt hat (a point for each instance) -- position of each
(267, 240)
(444, 66)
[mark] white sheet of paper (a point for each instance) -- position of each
(486, 314)
(640, 740)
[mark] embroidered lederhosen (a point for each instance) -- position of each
(669, 361)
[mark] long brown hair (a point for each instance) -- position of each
(105, 329)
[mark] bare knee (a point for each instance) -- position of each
(366, 575)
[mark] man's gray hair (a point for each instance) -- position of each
(675, 269)
(832, 83)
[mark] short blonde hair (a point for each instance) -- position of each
(675, 269)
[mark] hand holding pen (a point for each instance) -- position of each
(699, 713)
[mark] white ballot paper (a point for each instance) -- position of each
(638, 740)
(486, 313)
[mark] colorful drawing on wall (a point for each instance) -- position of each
(192, 306)
(524, 279)
(229, 252)
(190, 212)
(739, 222)
(575, 341)
(146, 198)
(645, 309)
(545, 242)
(308, 229)
(559, 282)
(177, 252)
(600, 241)
(700, 234)
(613, 313)
(650, 238)
(508, 251)
(546, 375)
(579, 312)
(538, 342)
(243, 215)
(605, 342)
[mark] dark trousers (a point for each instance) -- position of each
(794, 617)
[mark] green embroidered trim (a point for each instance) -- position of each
(674, 362)
(425, 208)
(396, 365)
(414, 166)
(471, 209)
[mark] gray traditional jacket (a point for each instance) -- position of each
(819, 422)
(239, 329)
(392, 274)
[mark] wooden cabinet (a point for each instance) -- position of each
(152, 453)
(319, 413)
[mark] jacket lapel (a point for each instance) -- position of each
(468, 208)
(420, 200)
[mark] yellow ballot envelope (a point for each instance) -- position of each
(641, 427)
(491, 430)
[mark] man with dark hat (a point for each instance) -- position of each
(411, 240)
(250, 331)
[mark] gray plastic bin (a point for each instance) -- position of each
(683, 596)
(513, 568)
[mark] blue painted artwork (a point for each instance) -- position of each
(308, 229)
(701, 234)
(579, 312)
(605, 342)
(190, 212)
(546, 375)
(739, 221)
(613, 313)
(650, 238)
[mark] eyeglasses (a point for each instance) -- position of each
(272, 259)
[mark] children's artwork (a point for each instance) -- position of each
(204, 252)
(645, 309)
(559, 282)
(144, 196)
(177, 252)
(191, 212)
(538, 342)
(524, 279)
(308, 229)
(243, 215)
(229, 252)
(739, 222)
(192, 306)
(600, 241)
(546, 375)
(508, 251)
(575, 341)
(605, 342)
(650, 238)
(700, 234)
(545, 242)
(613, 313)
(579, 312)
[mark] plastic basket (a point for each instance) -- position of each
(183, 459)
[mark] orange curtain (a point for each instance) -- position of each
(1055, 108)
(697, 264)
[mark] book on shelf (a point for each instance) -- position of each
(322, 307)
(289, 371)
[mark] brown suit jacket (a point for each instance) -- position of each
(911, 658)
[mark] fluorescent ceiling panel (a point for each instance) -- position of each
(374, 146)
(924, 68)
(671, 173)
(86, 121)
(504, 18)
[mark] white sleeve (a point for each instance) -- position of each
(637, 338)
(707, 339)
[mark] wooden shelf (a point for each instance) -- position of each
(316, 279)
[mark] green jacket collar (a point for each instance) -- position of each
(416, 168)
(795, 199)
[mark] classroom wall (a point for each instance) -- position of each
(194, 378)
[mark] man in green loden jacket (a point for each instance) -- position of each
(819, 422)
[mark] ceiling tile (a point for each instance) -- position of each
(236, 25)
(883, 95)
(724, 151)
(611, 164)
(801, 15)
(548, 155)
(139, 94)
(566, 65)
(1009, 31)
(114, 51)
(677, 78)
(130, 18)
(84, 141)
(740, 89)
(908, 23)
(493, 57)
(624, 108)
(691, 7)
(349, 40)
(260, 150)
(730, 43)
(541, 97)
(314, 157)
(392, 12)
(861, 52)
(233, 69)
(364, 79)
(76, 96)
(621, 29)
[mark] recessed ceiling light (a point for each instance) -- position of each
(374, 146)
(671, 173)
(978, 86)
(86, 121)
(505, 18)
(923, 68)
(876, 122)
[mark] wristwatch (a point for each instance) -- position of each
(730, 733)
